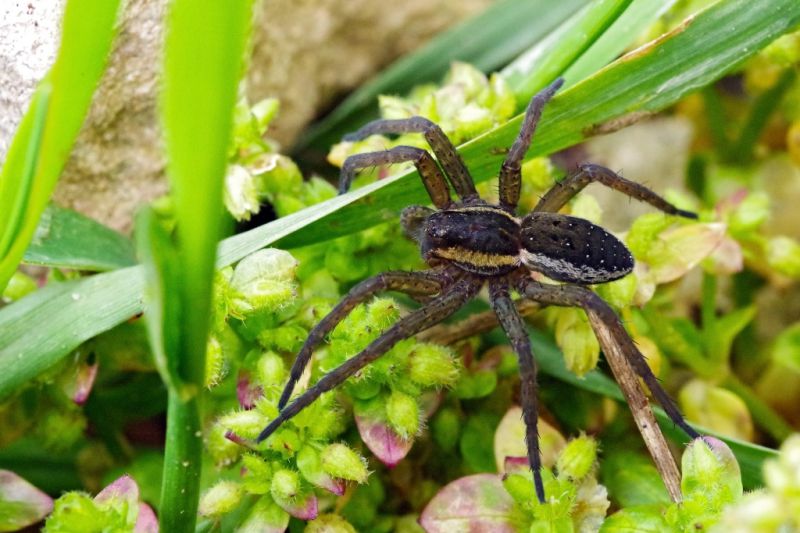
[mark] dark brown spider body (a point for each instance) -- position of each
(488, 241)
(470, 244)
(483, 240)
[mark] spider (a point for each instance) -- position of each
(469, 243)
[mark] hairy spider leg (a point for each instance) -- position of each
(511, 321)
(446, 153)
(561, 193)
(510, 172)
(434, 312)
(601, 313)
(413, 283)
(429, 171)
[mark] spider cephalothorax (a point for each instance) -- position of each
(470, 243)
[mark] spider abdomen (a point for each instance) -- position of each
(479, 239)
(572, 249)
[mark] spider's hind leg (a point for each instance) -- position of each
(446, 153)
(512, 324)
(414, 283)
(607, 326)
(561, 193)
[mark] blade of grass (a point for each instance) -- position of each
(87, 33)
(639, 16)
(544, 62)
(487, 41)
(203, 62)
(43, 327)
(66, 239)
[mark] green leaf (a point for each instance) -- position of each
(34, 164)
(542, 63)
(66, 239)
(203, 60)
(487, 41)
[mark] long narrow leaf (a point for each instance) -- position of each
(204, 58)
(67, 239)
(87, 34)
(541, 64)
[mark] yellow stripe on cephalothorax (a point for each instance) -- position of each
(484, 209)
(479, 259)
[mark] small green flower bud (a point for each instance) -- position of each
(258, 474)
(288, 338)
(270, 370)
(403, 414)
(222, 450)
(264, 112)
(431, 365)
(215, 362)
(709, 468)
(783, 254)
(220, 499)
(18, 286)
(343, 266)
(285, 485)
(340, 461)
(329, 523)
(265, 515)
(716, 408)
(520, 487)
(309, 463)
(263, 280)
(241, 195)
(245, 424)
(577, 458)
(576, 339)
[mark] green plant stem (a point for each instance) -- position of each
(180, 486)
(715, 116)
(763, 415)
(742, 150)
(708, 312)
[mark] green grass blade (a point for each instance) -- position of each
(204, 58)
(639, 16)
(87, 33)
(66, 239)
(546, 61)
(488, 41)
(15, 193)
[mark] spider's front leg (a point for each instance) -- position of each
(510, 173)
(412, 283)
(561, 193)
(446, 153)
(432, 313)
(512, 324)
(429, 171)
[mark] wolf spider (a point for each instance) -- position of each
(469, 243)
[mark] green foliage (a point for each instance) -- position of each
(433, 413)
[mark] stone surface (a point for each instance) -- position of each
(305, 52)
